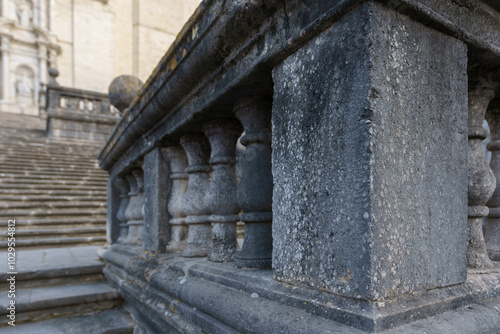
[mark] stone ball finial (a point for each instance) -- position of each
(123, 90)
(54, 73)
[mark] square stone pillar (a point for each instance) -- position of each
(156, 190)
(370, 158)
(113, 204)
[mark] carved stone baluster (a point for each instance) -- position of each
(139, 213)
(493, 227)
(130, 211)
(255, 191)
(221, 195)
(482, 182)
(120, 214)
(179, 229)
(193, 203)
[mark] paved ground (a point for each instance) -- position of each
(51, 257)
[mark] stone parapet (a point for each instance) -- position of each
(363, 183)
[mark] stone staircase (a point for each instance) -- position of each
(60, 290)
(57, 195)
(54, 190)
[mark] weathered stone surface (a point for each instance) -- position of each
(157, 186)
(220, 197)
(199, 240)
(482, 182)
(120, 218)
(123, 90)
(493, 228)
(368, 162)
(179, 180)
(255, 191)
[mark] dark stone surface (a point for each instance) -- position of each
(157, 185)
(369, 149)
(123, 90)
(255, 191)
(168, 291)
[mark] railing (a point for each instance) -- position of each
(78, 114)
(363, 175)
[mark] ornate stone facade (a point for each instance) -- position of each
(90, 42)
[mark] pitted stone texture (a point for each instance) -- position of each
(255, 191)
(157, 186)
(482, 181)
(493, 228)
(220, 197)
(369, 149)
(179, 179)
(123, 90)
(197, 213)
(120, 215)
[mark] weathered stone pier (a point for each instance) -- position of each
(363, 184)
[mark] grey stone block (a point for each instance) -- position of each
(157, 187)
(369, 158)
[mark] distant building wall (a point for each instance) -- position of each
(89, 41)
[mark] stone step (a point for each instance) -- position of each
(47, 187)
(55, 182)
(51, 205)
(21, 148)
(21, 214)
(105, 322)
(39, 192)
(53, 266)
(73, 162)
(53, 177)
(45, 153)
(43, 223)
(59, 274)
(57, 232)
(41, 198)
(50, 167)
(60, 171)
(56, 242)
(41, 303)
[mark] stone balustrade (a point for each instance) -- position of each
(78, 114)
(363, 183)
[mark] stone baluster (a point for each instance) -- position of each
(139, 212)
(120, 214)
(493, 227)
(482, 182)
(135, 210)
(199, 240)
(132, 234)
(221, 195)
(179, 229)
(255, 190)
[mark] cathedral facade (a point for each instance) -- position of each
(89, 42)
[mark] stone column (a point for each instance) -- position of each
(5, 69)
(120, 215)
(493, 228)
(179, 180)
(221, 195)
(369, 164)
(133, 211)
(199, 240)
(482, 182)
(255, 191)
